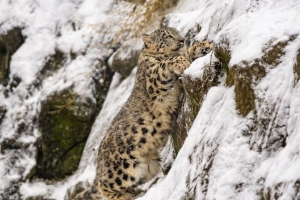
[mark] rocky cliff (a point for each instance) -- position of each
(66, 68)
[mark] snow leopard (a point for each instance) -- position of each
(129, 153)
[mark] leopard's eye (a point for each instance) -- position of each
(169, 41)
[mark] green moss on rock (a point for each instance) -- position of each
(244, 94)
(223, 54)
(196, 89)
(70, 158)
(273, 51)
(242, 78)
(244, 75)
(65, 122)
(195, 92)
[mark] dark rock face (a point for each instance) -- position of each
(2, 113)
(195, 90)
(125, 59)
(13, 39)
(242, 79)
(54, 62)
(65, 122)
(9, 43)
(297, 67)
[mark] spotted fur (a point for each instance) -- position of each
(128, 155)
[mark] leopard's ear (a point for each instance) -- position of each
(148, 39)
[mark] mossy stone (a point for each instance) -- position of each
(247, 74)
(223, 54)
(195, 92)
(65, 122)
(240, 77)
(274, 51)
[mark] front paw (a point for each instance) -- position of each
(200, 49)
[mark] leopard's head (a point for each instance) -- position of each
(166, 41)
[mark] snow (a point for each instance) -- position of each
(2, 172)
(48, 26)
(117, 96)
(34, 190)
(218, 160)
(216, 139)
(57, 190)
(219, 102)
(196, 68)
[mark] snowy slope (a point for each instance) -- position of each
(117, 95)
(72, 27)
(227, 155)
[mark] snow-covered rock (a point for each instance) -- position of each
(239, 127)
